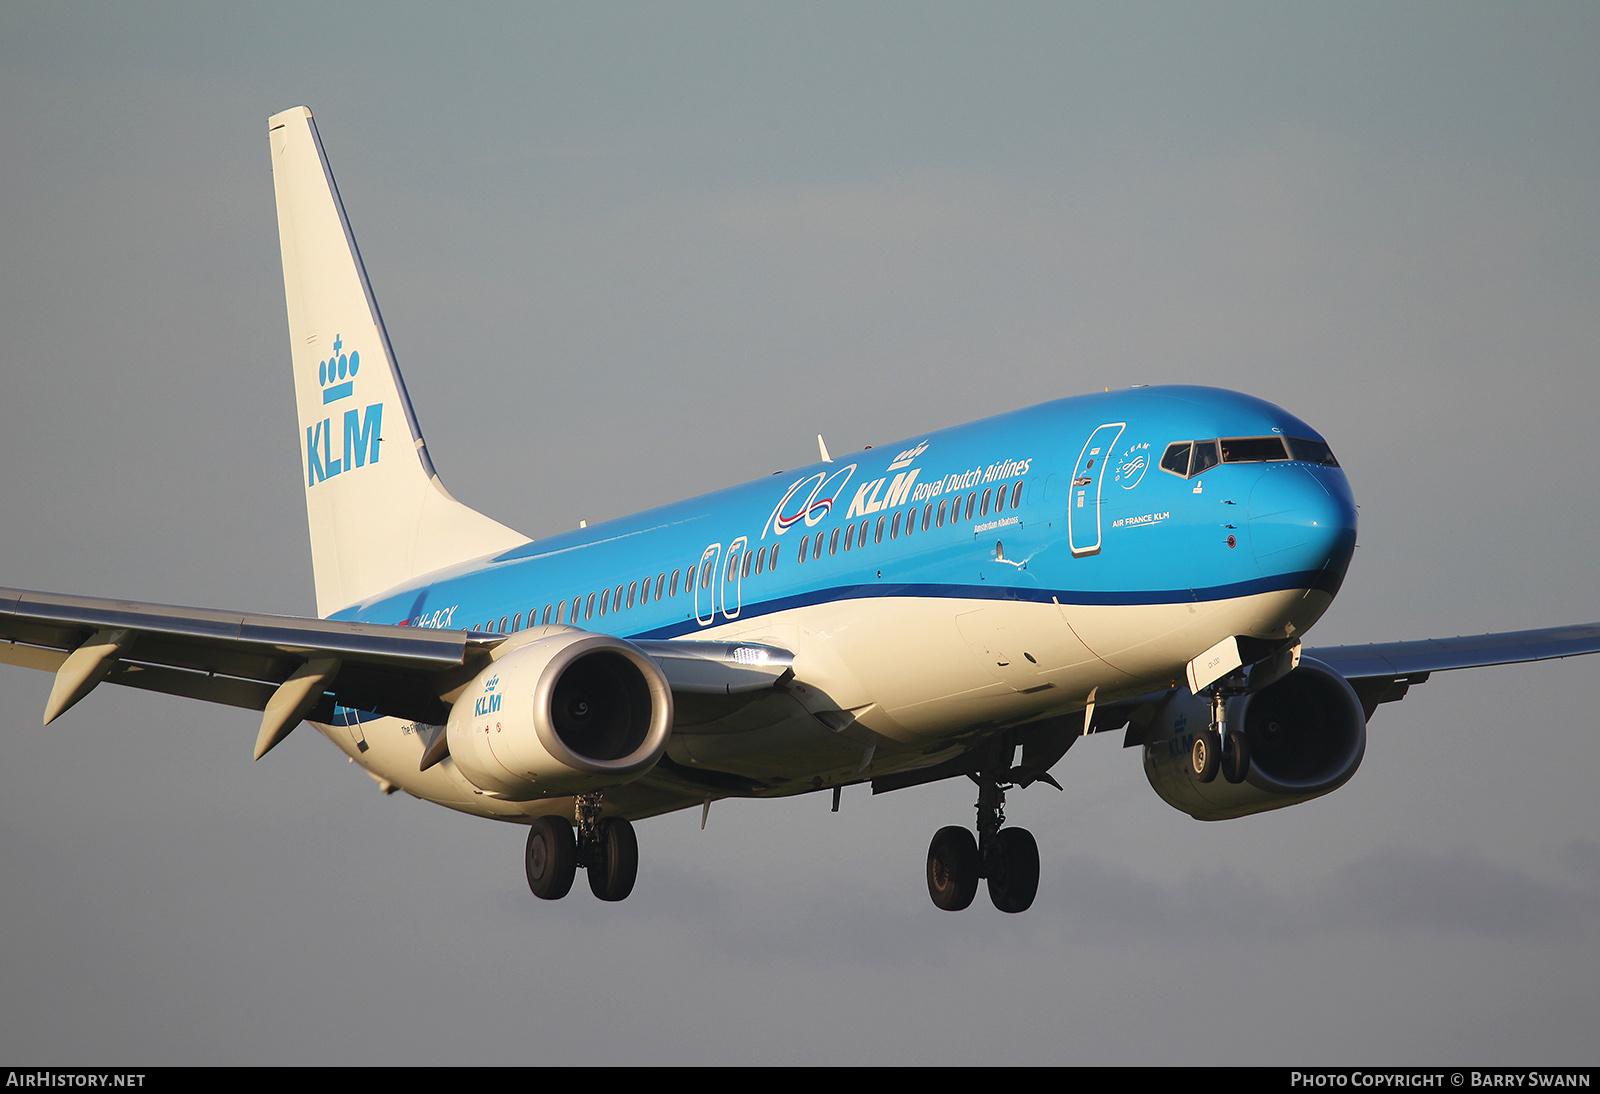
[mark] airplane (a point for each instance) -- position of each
(963, 604)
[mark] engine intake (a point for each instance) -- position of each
(1307, 735)
(564, 712)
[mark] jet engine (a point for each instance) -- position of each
(1307, 735)
(566, 712)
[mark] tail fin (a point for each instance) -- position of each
(379, 514)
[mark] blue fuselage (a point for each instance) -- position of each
(1097, 521)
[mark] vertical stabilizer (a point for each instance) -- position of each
(379, 514)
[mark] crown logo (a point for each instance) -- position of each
(336, 373)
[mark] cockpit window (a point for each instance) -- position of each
(1190, 458)
(1252, 449)
(1176, 458)
(1312, 451)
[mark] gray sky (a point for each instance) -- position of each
(629, 253)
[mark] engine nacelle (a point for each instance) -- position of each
(564, 713)
(1307, 735)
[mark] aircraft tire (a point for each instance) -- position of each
(952, 868)
(551, 858)
(616, 866)
(1014, 870)
(1236, 757)
(1205, 755)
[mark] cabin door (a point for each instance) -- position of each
(1083, 504)
(706, 580)
(733, 579)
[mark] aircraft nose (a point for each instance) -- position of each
(1302, 521)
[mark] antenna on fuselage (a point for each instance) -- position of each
(822, 447)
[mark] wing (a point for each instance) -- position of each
(292, 669)
(1382, 672)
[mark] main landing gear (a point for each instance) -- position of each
(1218, 748)
(1007, 857)
(604, 846)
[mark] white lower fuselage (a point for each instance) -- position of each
(923, 679)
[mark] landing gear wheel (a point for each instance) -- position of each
(953, 868)
(1236, 757)
(1013, 869)
(551, 858)
(616, 859)
(1204, 757)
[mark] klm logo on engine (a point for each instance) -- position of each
(362, 431)
(489, 703)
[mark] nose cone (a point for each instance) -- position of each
(1303, 521)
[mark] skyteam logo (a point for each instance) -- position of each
(363, 432)
(1132, 464)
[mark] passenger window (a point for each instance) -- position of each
(972, 499)
(761, 559)
(744, 571)
(894, 527)
(833, 542)
(940, 521)
(805, 544)
(1016, 494)
(516, 623)
(705, 576)
(633, 587)
(983, 508)
(877, 533)
(545, 622)
(927, 514)
(672, 589)
(861, 535)
(849, 536)
(661, 584)
(1000, 498)
(772, 558)
(561, 613)
(589, 607)
(688, 579)
(605, 599)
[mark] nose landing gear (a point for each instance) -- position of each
(1218, 748)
